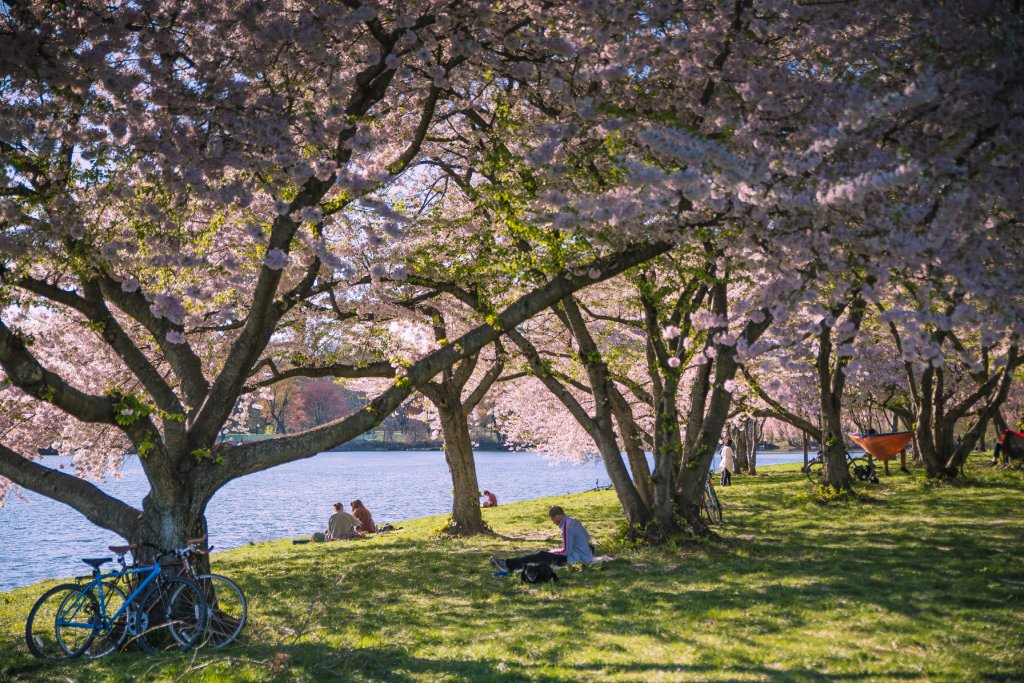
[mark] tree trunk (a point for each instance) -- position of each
(830, 393)
(633, 443)
(602, 426)
(756, 432)
(697, 459)
(668, 455)
(467, 519)
(931, 431)
(833, 449)
(168, 525)
(740, 437)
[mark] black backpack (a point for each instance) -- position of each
(538, 572)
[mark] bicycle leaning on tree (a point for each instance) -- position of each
(710, 506)
(162, 613)
(226, 604)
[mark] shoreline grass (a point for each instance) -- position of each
(922, 583)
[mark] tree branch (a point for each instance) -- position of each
(99, 508)
(486, 382)
(339, 370)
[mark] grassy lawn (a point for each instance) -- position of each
(921, 583)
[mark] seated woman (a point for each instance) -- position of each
(360, 512)
(490, 500)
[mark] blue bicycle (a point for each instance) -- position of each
(161, 612)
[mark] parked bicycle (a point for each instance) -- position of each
(161, 612)
(710, 506)
(226, 604)
(862, 468)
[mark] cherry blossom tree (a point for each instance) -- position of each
(186, 182)
(959, 364)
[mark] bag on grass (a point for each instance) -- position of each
(538, 572)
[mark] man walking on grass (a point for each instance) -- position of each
(575, 547)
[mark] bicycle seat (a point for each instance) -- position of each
(95, 562)
(122, 549)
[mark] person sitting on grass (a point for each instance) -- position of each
(360, 512)
(575, 546)
(491, 500)
(342, 526)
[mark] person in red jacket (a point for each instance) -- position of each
(490, 500)
(360, 512)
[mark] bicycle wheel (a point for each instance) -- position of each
(112, 632)
(171, 616)
(227, 609)
(63, 623)
(862, 469)
(713, 505)
(815, 472)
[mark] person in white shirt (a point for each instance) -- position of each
(728, 462)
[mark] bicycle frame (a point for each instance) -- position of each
(107, 621)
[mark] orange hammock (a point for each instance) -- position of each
(885, 447)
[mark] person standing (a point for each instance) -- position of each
(728, 462)
(575, 546)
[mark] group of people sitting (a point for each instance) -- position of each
(344, 526)
(575, 548)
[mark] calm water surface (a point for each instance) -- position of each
(40, 538)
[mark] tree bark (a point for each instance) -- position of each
(633, 443)
(752, 460)
(467, 519)
(740, 438)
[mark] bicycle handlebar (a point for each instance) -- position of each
(192, 547)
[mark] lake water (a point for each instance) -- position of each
(40, 538)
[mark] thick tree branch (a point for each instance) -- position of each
(187, 366)
(779, 411)
(99, 508)
(93, 307)
(481, 389)
(339, 370)
(29, 375)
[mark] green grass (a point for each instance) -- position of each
(920, 583)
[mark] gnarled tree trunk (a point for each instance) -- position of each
(467, 519)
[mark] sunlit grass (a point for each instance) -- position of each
(922, 582)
